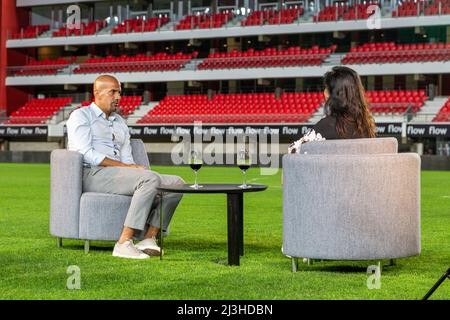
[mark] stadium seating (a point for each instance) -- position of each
(139, 63)
(85, 29)
(270, 57)
(433, 8)
(140, 25)
(266, 108)
(38, 111)
(410, 8)
(389, 52)
(31, 32)
(344, 12)
(396, 101)
(235, 108)
(127, 104)
(43, 67)
(204, 21)
(262, 17)
(444, 113)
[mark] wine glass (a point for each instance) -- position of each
(244, 162)
(195, 161)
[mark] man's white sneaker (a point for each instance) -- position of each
(149, 247)
(128, 250)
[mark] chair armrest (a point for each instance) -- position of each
(66, 184)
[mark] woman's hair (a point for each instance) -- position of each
(347, 102)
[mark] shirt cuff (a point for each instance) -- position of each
(93, 157)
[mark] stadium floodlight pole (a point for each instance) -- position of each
(446, 275)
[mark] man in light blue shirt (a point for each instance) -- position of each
(99, 138)
(102, 137)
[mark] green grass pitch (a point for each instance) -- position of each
(194, 267)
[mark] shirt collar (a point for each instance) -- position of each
(99, 113)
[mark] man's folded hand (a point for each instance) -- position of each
(137, 166)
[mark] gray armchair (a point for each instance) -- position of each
(85, 215)
(351, 200)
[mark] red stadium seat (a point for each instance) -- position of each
(141, 25)
(269, 57)
(139, 63)
(38, 111)
(204, 21)
(43, 67)
(389, 52)
(284, 16)
(395, 102)
(235, 108)
(31, 32)
(266, 108)
(85, 29)
(444, 113)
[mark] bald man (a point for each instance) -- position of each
(102, 137)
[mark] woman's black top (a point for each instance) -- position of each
(327, 128)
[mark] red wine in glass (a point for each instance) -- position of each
(196, 166)
(244, 167)
(195, 163)
(243, 163)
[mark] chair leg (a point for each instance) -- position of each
(309, 261)
(58, 242)
(161, 233)
(294, 264)
(86, 246)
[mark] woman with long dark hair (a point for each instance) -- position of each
(347, 111)
(347, 114)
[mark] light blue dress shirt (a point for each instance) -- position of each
(95, 137)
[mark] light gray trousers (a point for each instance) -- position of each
(141, 185)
